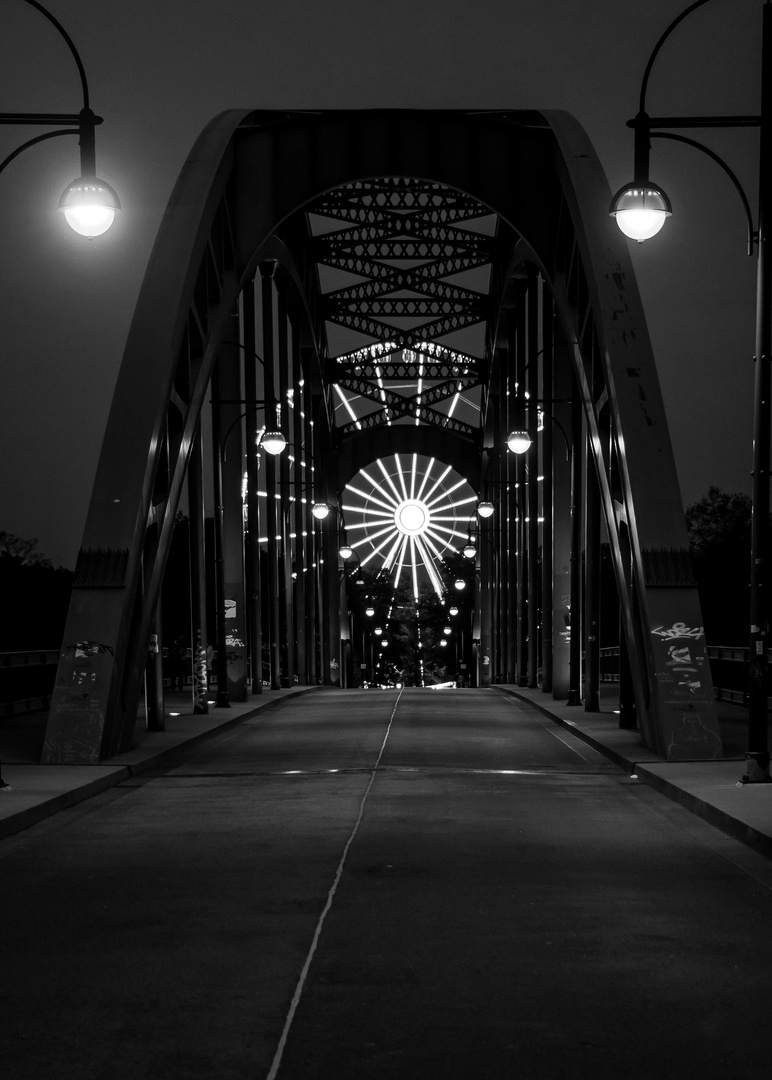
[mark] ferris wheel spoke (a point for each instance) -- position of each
(401, 476)
(427, 477)
(445, 494)
(436, 484)
(372, 498)
(403, 541)
(389, 481)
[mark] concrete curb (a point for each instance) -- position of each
(647, 770)
(111, 773)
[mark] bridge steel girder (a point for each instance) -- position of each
(245, 182)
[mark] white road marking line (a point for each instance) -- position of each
(276, 1063)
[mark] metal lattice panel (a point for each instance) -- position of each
(425, 253)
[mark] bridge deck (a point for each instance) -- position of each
(384, 885)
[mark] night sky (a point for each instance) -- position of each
(159, 70)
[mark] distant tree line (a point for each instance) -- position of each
(34, 595)
(719, 527)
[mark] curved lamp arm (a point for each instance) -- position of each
(752, 233)
(655, 51)
(70, 45)
(31, 142)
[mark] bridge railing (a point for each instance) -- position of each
(728, 666)
(27, 678)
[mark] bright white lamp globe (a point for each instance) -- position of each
(89, 206)
(640, 211)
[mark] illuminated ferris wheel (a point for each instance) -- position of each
(405, 515)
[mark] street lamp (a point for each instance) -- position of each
(88, 203)
(273, 442)
(640, 209)
(485, 509)
(646, 127)
(518, 442)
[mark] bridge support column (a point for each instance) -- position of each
(298, 514)
(486, 592)
(196, 514)
(229, 409)
(561, 598)
(331, 642)
(591, 588)
(575, 558)
(532, 490)
(154, 677)
(252, 545)
(267, 270)
(286, 627)
(546, 455)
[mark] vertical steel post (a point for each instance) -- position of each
(267, 270)
(230, 365)
(522, 582)
(196, 514)
(485, 577)
(757, 757)
(547, 530)
(154, 670)
(532, 468)
(300, 515)
(222, 701)
(592, 509)
(254, 619)
(286, 629)
(510, 503)
(575, 642)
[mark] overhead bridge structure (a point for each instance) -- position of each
(395, 292)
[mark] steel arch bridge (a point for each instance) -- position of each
(394, 291)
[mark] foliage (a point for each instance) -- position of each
(413, 629)
(719, 522)
(35, 596)
(719, 527)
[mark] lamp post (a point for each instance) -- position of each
(646, 219)
(88, 203)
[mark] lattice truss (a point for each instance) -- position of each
(404, 272)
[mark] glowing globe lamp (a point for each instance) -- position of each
(485, 509)
(518, 442)
(320, 510)
(273, 442)
(640, 210)
(89, 206)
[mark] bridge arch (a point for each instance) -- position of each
(234, 275)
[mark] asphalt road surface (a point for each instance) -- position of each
(384, 884)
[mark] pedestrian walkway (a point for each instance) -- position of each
(710, 789)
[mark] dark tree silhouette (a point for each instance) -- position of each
(34, 594)
(719, 527)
